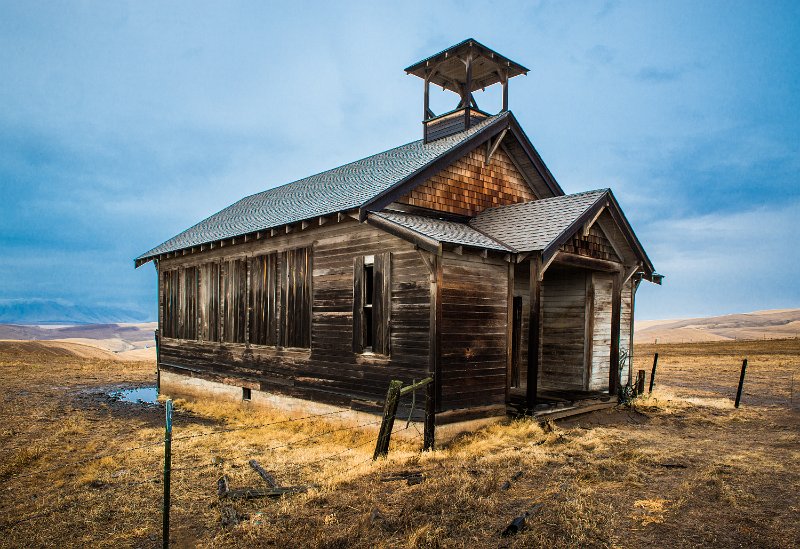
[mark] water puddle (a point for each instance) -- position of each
(142, 395)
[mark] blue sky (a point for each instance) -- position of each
(122, 124)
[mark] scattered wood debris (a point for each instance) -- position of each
(275, 490)
(411, 477)
(519, 523)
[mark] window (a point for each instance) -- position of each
(169, 303)
(187, 325)
(263, 300)
(247, 394)
(209, 302)
(371, 303)
(233, 294)
(179, 303)
(295, 298)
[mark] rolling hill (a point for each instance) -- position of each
(773, 324)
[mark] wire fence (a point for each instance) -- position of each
(771, 380)
(309, 472)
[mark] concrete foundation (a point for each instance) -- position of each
(193, 388)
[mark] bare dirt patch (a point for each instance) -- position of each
(681, 468)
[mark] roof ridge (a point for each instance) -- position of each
(540, 200)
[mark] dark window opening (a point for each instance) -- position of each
(372, 289)
(246, 393)
(369, 298)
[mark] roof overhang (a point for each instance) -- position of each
(605, 202)
(446, 68)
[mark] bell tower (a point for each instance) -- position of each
(462, 69)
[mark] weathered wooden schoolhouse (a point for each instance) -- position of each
(456, 256)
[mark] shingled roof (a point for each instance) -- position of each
(340, 189)
(533, 226)
(525, 227)
(538, 226)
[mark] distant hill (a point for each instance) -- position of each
(774, 324)
(58, 311)
(126, 341)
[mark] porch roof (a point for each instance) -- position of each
(541, 226)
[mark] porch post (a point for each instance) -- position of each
(616, 306)
(534, 326)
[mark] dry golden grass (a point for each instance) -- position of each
(682, 467)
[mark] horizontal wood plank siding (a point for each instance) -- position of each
(473, 332)
(329, 371)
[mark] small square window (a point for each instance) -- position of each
(246, 393)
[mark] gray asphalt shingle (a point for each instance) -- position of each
(531, 226)
(343, 188)
(450, 232)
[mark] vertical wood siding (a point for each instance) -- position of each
(263, 326)
(626, 320)
(233, 302)
(295, 271)
(522, 282)
(601, 333)
(473, 332)
(209, 301)
(467, 187)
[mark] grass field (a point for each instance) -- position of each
(680, 468)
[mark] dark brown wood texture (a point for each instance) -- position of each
(467, 187)
(295, 295)
(473, 332)
(535, 328)
(358, 332)
(382, 304)
(233, 300)
(189, 281)
(522, 291)
(263, 326)
(209, 302)
(595, 244)
(169, 302)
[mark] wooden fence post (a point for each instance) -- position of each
(167, 471)
(389, 413)
(429, 437)
(653, 373)
(741, 384)
(640, 382)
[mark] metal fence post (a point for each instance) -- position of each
(167, 471)
(653, 373)
(741, 384)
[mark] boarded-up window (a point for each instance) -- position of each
(372, 303)
(295, 298)
(233, 293)
(179, 303)
(263, 300)
(209, 302)
(187, 326)
(169, 305)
